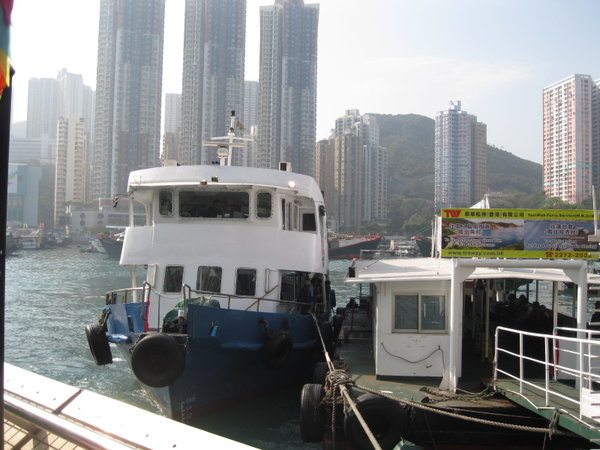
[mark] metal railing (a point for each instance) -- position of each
(255, 302)
(580, 362)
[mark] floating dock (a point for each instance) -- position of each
(43, 413)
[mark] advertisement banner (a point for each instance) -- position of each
(518, 233)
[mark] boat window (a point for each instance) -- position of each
(245, 283)
(308, 222)
(165, 203)
(173, 279)
(209, 279)
(212, 204)
(290, 285)
(406, 313)
(263, 204)
(419, 312)
(433, 312)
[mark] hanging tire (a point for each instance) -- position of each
(387, 420)
(320, 373)
(98, 343)
(311, 413)
(277, 348)
(157, 360)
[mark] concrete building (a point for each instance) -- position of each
(460, 158)
(172, 127)
(71, 166)
(128, 92)
(22, 195)
(42, 107)
(74, 98)
(213, 74)
(352, 169)
(287, 94)
(567, 118)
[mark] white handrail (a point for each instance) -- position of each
(582, 351)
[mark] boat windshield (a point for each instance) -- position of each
(214, 204)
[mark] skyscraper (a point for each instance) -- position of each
(71, 165)
(287, 94)
(42, 107)
(213, 74)
(567, 115)
(352, 168)
(460, 158)
(172, 127)
(128, 92)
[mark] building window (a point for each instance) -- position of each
(420, 313)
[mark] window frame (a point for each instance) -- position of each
(420, 311)
(218, 269)
(237, 272)
(164, 281)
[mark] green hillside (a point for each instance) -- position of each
(409, 139)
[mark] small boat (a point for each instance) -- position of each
(113, 244)
(348, 247)
(233, 301)
(461, 352)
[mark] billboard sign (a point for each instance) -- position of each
(518, 233)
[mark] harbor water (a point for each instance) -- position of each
(51, 295)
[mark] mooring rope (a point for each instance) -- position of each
(344, 391)
(550, 430)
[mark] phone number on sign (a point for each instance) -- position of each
(567, 254)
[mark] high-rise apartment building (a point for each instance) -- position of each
(351, 168)
(128, 92)
(71, 166)
(460, 158)
(42, 107)
(172, 127)
(287, 94)
(567, 115)
(74, 98)
(213, 74)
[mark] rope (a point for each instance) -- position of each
(343, 390)
(463, 417)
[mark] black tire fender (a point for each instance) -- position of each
(311, 413)
(98, 343)
(157, 360)
(277, 349)
(387, 419)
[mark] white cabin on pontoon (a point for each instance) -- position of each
(422, 308)
(227, 231)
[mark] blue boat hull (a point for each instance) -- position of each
(225, 356)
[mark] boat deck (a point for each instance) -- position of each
(534, 399)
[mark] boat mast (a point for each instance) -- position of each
(225, 144)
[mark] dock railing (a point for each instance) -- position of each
(569, 356)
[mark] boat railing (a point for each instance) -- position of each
(570, 356)
(254, 303)
(131, 295)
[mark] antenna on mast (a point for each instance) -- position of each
(225, 144)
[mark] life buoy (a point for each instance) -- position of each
(277, 349)
(98, 343)
(157, 360)
(387, 420)
(311, 413)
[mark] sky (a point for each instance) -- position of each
(377, 56)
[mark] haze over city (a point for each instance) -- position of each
(380, 56)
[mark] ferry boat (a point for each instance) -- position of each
(232, 303)
(348, 247)
(463, 352)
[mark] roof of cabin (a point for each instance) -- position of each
(415, 269)
(243, 176)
